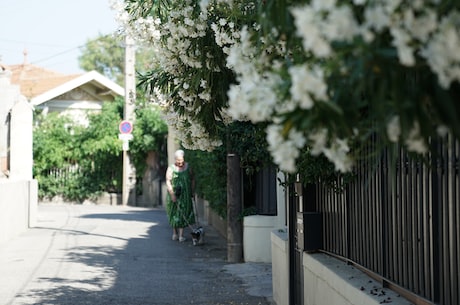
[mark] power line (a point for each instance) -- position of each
(70, 50)
(57, 54)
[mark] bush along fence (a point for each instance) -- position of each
(77, 183)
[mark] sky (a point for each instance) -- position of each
(52, 31)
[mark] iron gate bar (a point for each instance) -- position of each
(456, 187)
(402, 223)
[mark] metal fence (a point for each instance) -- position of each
(399, 219)
(76, 179)
(64, 175)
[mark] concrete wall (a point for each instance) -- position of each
(331, 281)
(256, 238)
(280, 266)
(326, 280)
(257, 230)
(18, 203)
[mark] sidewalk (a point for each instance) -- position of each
(100, 255)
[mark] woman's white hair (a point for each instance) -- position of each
(179, 153)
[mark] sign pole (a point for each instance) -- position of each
(129, 172)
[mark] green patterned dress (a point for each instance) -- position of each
(180, 213)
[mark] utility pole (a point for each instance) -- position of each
(129, 172)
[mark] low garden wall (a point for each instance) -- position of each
(18, 206)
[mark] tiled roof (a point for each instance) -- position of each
(34, 80)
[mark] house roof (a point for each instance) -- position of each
(40, 85)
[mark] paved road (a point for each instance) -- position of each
(97, 255)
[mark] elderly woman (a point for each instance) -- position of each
(180, 185)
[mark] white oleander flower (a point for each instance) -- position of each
(394, 129)
(284, 150)
(204, 6)
(254, 96)
(306, 83)
(442, 130)
(337, 153)
(441, 52)
(391, 6)
(307, 23)
(323, 5)
(319, 141)
(414, 141)
(340, 25)
(421, 26)
(376, 18)
(402, 41)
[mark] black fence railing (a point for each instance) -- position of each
(400, 219)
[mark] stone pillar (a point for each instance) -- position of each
(21, 150)
(8, 95)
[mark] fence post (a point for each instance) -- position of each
(234, 228)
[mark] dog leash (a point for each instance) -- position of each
(197, 229)
(195, 211)
(194, 215)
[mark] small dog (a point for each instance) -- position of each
(198, 236)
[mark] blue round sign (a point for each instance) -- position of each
(125, 127)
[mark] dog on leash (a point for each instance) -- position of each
(198, 236)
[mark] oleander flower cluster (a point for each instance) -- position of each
(179, 46)
(332, 32)
(343, 70)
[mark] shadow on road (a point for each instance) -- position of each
(133, 261)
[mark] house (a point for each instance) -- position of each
(74, 95)
(23, 88)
